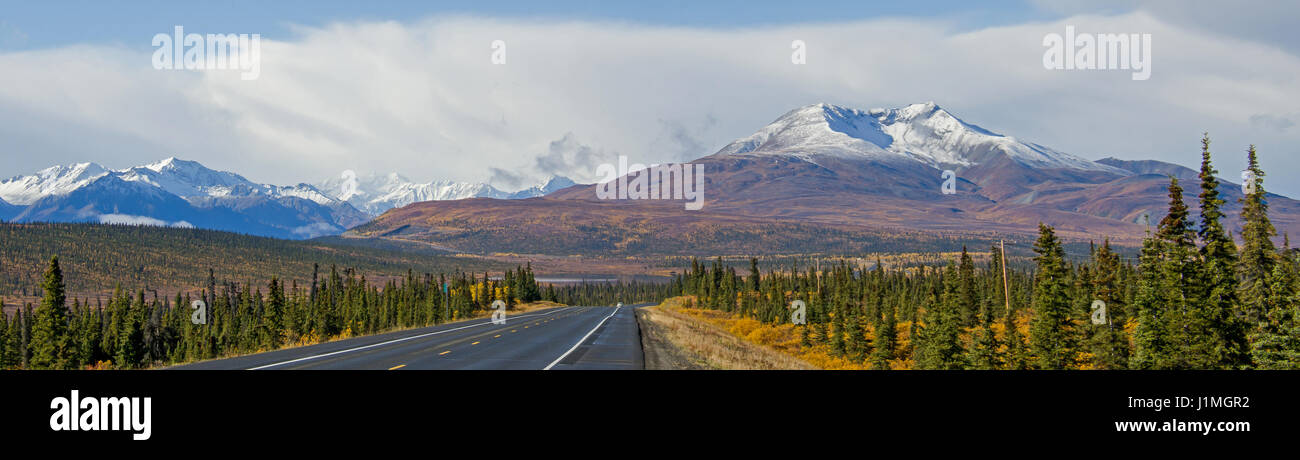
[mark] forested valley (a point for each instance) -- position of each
(1193, 299)
(136, 330)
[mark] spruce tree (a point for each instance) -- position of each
(855, 342)
(1277, 341)
(1016, 357)
(1051, 332)
(1218, 332)
(1110, 344)
(1151, 337)
(982, 352)
(967, 301)
(273, 316)
(51, 347)
(885, 342)
(24, 319)
(1258, 254)
(130, 343)
(835, 331)
(6, 355)
(940, 338)
(1179, 278)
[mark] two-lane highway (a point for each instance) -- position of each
(556, 338)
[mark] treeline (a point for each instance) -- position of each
(1194, 300)
(134, 330)
(610, 293)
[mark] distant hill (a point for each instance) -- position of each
(97, 257)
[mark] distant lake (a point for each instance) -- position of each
(576, 279)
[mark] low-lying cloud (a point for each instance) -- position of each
(128, 219)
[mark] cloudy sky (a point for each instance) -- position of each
(411, 87)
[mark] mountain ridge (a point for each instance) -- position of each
(177, 192)
(837, 168)
(376, 194)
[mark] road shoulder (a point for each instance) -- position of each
(660, 352)
(673, 340)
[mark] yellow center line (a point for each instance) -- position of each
(514, 330)
(399, 366)
(498, 335)
(475, 343)
(445, 352)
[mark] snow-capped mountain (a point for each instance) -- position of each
(819, 169)
(175, 192)
(55, 180)
(191, 179)
(376, 194)
(178, 193)
(555, 183)
(924, 133)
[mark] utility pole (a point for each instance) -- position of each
(1006, 285)
(818, 263)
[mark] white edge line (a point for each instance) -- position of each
(580, 341)
(403, 339)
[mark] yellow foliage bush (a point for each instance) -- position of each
(743, 326)
(766, 336)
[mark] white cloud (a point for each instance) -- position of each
(315, 230)
(127, 219)
(424, 100)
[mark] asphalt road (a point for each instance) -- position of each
(556, 338)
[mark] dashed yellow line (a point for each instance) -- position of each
(475, 343)
(497, 336)
(445, 352)
(399, 366)
(514, 330)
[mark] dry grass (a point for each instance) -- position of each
(717, 346)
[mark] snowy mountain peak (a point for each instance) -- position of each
(174, 192)
(817, 129)
(167, 163)
(190, 179)
(557, 182)
(377, 193)
(552, 184)
(55, 180)
(183, 178)
(923, 132)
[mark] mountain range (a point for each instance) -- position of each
(835, 174)
(375, 194)
(181, 193)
